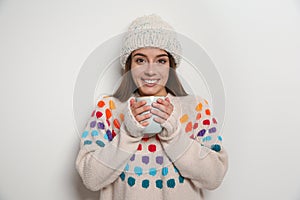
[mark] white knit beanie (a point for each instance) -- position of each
(150, 31)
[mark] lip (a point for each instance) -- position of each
(150, 82)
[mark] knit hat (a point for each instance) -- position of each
(150, 31)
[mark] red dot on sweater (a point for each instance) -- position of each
(140, 147)
(195, 126)
(214, 121)
(145, 139)
(93, 113)
(206, 122)
(99, 114)
(113, 133)
(108, 122)
(152, 147)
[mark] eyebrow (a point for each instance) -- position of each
(160, 55)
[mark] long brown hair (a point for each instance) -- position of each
(128, 87)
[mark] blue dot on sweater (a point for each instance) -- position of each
(138, 171)
(100, 143)
(105, 136)
(220, 138)
(145, 183)
(126, 167)
(152, 171)
(206, 139)
(164, 171)
(159, 184)
(84, 134)
(131, 181)
(94, 133)
(171, 183)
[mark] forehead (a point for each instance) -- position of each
(149, 51)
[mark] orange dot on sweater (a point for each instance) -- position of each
(184, 118)
(122, 117)
(199, 107)
(152, 147)
(205, 101)
(207, 112)
(116, 123)
(101, 104)
(189, 127)
(112, 105)
(108, 113)
(198, 116)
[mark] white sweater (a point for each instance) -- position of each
(186, 157)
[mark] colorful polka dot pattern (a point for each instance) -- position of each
(103, 127)
(149, 160)
(157, 183)
(203, 126)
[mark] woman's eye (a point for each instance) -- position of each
(139, 60)
(162, 61)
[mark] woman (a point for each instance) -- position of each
(118, 159)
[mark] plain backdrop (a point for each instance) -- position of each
(255, 46)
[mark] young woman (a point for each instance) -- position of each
(186, 156)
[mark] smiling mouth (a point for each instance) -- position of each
(150, 82)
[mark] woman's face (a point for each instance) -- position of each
(150, 71)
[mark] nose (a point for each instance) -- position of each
(150, 70)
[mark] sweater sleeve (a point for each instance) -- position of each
(106, 145)
(195, 147)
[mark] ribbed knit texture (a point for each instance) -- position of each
(176, 164)
(150, 31)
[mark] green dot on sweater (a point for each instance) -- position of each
(181, 179)
(122, 176)
(87, 142)
(100, 143)
(131, 181)
(145, 183)
(159, 184)
(171, 183)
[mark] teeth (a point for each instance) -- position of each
(150, 81)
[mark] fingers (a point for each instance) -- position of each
(163, 110)
(137, 109)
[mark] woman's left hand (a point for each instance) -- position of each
(163, 110)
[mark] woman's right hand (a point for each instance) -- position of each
(137, 108)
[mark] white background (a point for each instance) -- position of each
(255, 45)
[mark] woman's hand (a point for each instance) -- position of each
(137, 108)
(163, 110)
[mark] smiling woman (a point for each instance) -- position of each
(121, 159)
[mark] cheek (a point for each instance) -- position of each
(165, 74)
(135, 73)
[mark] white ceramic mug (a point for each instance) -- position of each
(153, 127)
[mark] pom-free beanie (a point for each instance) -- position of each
(150, 31)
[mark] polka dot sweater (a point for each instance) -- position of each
(178, 163)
